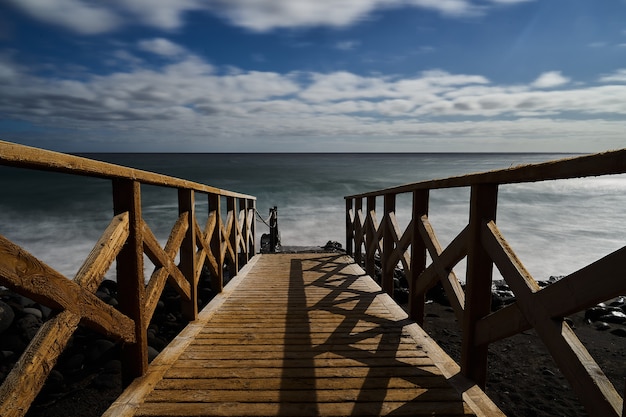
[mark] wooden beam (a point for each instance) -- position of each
(188, 263)
(388, 245)
(23, 273)
(371, 241)
(607, 163)
(442, 263)
(215, 212)
(349, 227)
(358, 230)
(593, 388)
(130, 278)
(582, 289)
(101, 257)
(418, 256)
(483, 205)
(12, 154)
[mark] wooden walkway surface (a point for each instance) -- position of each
(302, 334)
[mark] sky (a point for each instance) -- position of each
(314, 75)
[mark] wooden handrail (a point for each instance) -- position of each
(484, 246)
(128, 237)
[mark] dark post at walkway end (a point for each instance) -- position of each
(274, 237)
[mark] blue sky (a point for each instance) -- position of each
(321, 75)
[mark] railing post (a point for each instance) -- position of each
(358, 230)
(215, 209)
(243, 213)
(483, 206)
(349, 228)
(418, 256)
(370, 238)
(130, 279)
(252, 214)
(186, 204)
(231, 208)
(388, 245)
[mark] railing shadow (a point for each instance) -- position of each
(342, 322)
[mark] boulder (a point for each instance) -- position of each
(6, 316)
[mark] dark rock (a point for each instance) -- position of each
(602, 326)
(34, 311)
(621, 332)
(152, 353)
(594, 313)
(615, 317)
(74, 363)
(29, 326)
(6, 316)
(99, 349)
(12, 342)
(332, 246)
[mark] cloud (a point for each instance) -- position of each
(618, 77)
(188, 98)
(84, 17)
(550, 79)
(161, 46)
(347, 45)
(77, 15)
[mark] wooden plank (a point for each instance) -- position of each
(263, 358)
(605, 163)
(593, 388)
(442, 264)
(130, 278)
(23, 273)
(296, 409)
(188, 263)
(161, 275)
(101, 257)
(21, 156)
(419, 253)
(388, 245)
(483, 203)
(349, 227)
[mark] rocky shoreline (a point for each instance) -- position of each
(87, 378)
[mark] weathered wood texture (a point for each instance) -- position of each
(302, 334)
(484, 246)
(126, 239)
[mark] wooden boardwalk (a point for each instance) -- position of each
(302, 334)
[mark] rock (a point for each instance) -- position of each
(75, 362)
(29, 326)
(615, 317)
(602, 326)
(99, 349)
(34, 311)
(594, 313)
(332, 246)
(152, 353)
(621, 332)
(6, 316)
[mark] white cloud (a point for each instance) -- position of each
(77, 15)
(618, 76)
(84, 17)
(347, 45)
(189, 98)
(550, 79)
(161, 46)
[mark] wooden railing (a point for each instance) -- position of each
(483, 245)
(221, 243)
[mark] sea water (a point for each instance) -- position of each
(554, 227)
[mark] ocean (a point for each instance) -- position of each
(555, 227)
